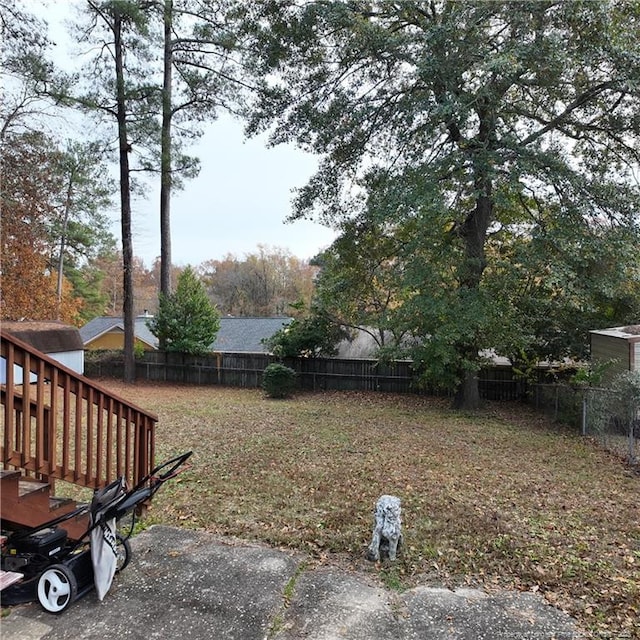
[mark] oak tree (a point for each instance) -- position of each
(435, 115)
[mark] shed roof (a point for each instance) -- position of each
(630, 331)
(46, 336)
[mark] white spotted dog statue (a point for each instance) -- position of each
(387, 531)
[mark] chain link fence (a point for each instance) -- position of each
(611, 416)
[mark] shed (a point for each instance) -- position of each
(618, 344)
(59, 341)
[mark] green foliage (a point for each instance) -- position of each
(360, 281)
(138, 350)
(591, 375)
(311, 336)
(186, 321)
(626, 387)
(278, 381)
(493, 143)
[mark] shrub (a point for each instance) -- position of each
(278, 381)
(316, 335)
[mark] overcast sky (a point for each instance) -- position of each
(240, 198)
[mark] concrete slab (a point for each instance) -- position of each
(187, 584)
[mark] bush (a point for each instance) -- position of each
(316, 335)
(278, 381)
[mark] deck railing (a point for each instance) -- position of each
(57, 424)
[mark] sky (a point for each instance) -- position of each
(240, 199)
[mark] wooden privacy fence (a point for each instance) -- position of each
(57, 424)
(246, 369)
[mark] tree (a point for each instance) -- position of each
(28, 281)
(27, 74)
(186, 321)
(122, 92)
(446, 112)
(200, 75)
(556, 286)
(80, 230)
(358, 285)
(264, 283)
(312, 336)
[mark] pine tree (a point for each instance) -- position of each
(186, 322)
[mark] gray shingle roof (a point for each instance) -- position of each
(236, 335)
(246, 334)
(105, 324)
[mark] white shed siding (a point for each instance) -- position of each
(72, 359)
(605, 348)
(619, 344)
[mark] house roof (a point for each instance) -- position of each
(245, 335)
(236, 334)
(48, 337)
(108, 324)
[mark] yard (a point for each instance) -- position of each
(502, 498)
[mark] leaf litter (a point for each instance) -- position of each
(501, 498)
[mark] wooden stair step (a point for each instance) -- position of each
(9, 482)
(9, 473)
(7, 578)
(60, 503)
(26, 487)
(75, 526)
(33, 494)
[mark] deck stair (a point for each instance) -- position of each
(58, 425)
(28, 503)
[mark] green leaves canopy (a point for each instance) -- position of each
(447, 123)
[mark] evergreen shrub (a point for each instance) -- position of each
(278, 381)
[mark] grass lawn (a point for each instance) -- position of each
(501, 498)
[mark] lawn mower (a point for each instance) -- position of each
(45, 565)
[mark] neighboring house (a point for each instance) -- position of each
(236, 335)
(246, 335)
(619, 345)
(107, 332)
(62, 342)
(363, 346)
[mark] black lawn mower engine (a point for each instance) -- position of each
(30, 554)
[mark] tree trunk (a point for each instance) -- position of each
(125, 204)
(467, 395)
(474, 232)
(63, 244)
(165, 157)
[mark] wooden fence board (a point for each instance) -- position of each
(314, 374)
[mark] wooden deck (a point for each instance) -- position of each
(58, 425)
